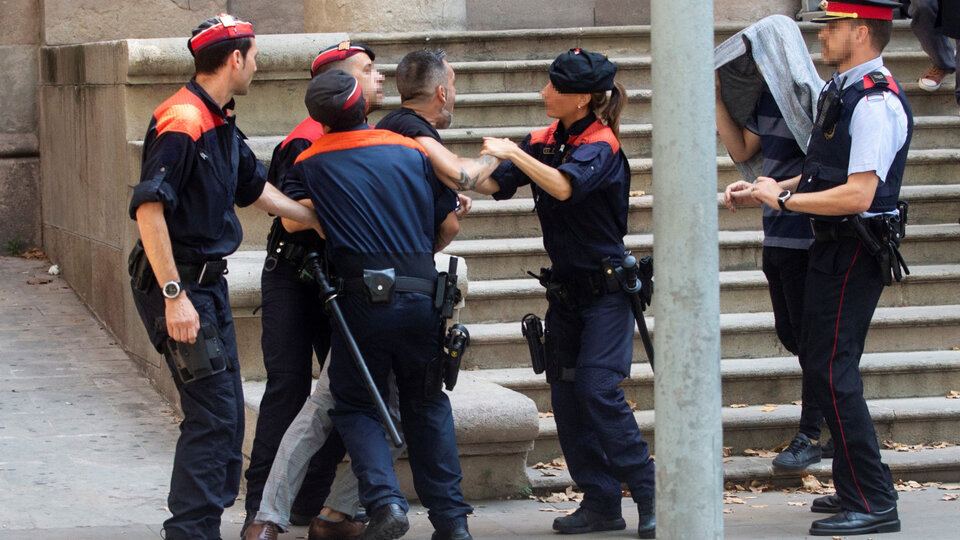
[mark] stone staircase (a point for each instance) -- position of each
(912, 360)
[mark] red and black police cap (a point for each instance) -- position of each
(216, 30)
(858, 9)
(335, 99)
(579, 71)
(340, 51)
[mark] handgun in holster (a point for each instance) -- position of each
(445, 368)
(138, 266)
(274, 245)
(881, 235)
(198, 360)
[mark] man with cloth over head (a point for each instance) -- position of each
(374, 193)
(295, 327)
(196, 166)
(849, 187)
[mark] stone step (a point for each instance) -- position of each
(508, 300)
(903, 420)
(492, 441)
(546, 43)
(744, 335)
(515, 218)
(511, 258)
(530, 74)
(928, 465)
(934, 167)
(930, 132)
(756, 381)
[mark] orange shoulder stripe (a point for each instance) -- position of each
(345, 140)
(309, 129)
(598, 132)
(185, 112)
(545, 135)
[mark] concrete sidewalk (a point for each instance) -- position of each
(86, 444)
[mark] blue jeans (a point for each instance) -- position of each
(208, 460)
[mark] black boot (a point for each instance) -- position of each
(584, 521)
(387, 522)
(648, 518)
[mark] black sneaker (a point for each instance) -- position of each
(584, 521)
(387, 522)
(799, 455)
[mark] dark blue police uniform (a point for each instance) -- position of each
(593, 330)
(196, 162)
(374, 192)
(295, 327)
(843, 287)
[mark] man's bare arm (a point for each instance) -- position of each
(740, 142)
(461, 174)
(183, 322)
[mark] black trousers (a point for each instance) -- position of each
(294, 327)
(843, 288)
(786, 272)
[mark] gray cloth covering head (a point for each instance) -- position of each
(777, 48)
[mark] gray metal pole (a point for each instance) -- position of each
(689, 433)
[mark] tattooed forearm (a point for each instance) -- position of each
(485, 166)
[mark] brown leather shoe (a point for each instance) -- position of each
(263, 531)
(335, 530)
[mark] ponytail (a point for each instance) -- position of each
(608, 108)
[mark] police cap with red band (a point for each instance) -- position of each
(858, 9)
(216, 30)
(579, 71)
(335, 53)
(335, 99)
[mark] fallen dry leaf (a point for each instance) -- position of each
(728, 510)
(557, 464)
(548, 414)
(798, 403)
(727, 451)
(810, 482)
(796, 503)
(759, 453)
(950, 497)
(738, 405)
(632, 404)
(910, 485)
(638, 193)
(950, 487)
(768, 408)
(39, 281)
(758, 506)
(954, 394)
(34, 254)
(757, 486)
(550, 473)
(733, 500)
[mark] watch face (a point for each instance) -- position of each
(171, 289)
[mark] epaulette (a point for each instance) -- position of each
(879, 79)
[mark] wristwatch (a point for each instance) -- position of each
(782, 199)
(171, 289)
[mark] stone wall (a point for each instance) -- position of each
(19, 162)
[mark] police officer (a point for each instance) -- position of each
(852, 175)
(196, 166)
(295, 325)
(581, 181)
(374, 191)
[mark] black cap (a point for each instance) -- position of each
(579, 71)
(335, 99)
(858, 9)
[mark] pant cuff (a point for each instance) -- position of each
(282, 523)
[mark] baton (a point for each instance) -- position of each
(632, 285)
(311, 267)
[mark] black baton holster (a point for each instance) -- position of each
(138, 266)
(881, 236)
(198, 360)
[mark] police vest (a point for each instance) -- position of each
(828, 154)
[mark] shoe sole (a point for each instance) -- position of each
(796, 467)
(390, 531)
(825, 509)
(885, 527)
(928, 88)
(611, 525)
(647, 534)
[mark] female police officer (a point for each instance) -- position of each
(581, 180)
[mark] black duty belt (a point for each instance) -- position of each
(403, 284)
(827, 231)
(206, 273)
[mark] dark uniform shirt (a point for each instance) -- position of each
(196, 162)
(580, 232)
(284, 156)
(409, 123)
(366, 182)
